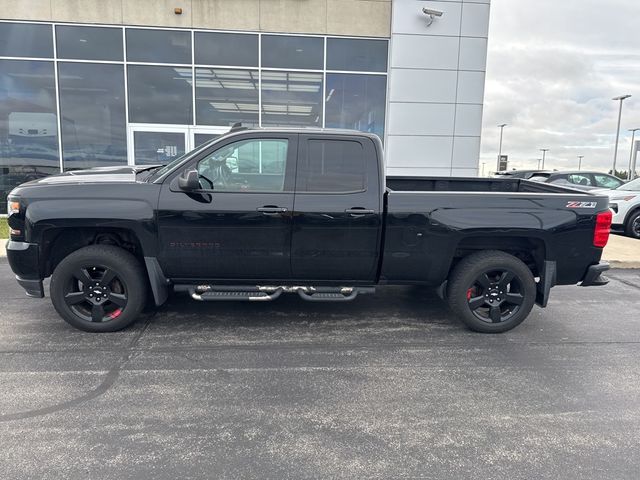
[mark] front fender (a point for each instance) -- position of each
(135, 215)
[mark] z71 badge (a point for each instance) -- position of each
(582, 204)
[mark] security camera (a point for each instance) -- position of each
(434, 13)
(431, 14)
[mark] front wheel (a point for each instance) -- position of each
(491, 291)
(99, 288)
(632, 227)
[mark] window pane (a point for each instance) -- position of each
(279, 51)
(232, 49)
(157, 148)
(25, 40)
(579, 179)
(200, 138)
(249, 165)
(159, 94)
(224, 97)
(93, 116)
(89, 43)
(291, 98)
(356, 55)
(158, 46)
(28, 125)
(333, 166)
(605, 181)
(356, 101)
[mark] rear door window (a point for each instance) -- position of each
(332, 166)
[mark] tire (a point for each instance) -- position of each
(87, 300)
(632, 225)
(491, 291)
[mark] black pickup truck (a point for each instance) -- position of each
(257, 213)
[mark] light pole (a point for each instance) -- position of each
(539, 160)
(632, 166)
(621, 98)
(501, 127)
(544, 155)
(580, 157)
(483, 164)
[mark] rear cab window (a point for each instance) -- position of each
(332, 166)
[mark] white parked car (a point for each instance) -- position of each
(625, 203)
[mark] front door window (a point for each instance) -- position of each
(249, 165)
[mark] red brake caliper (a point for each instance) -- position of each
(469, 292)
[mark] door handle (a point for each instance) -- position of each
(357, 211)
(272, 210)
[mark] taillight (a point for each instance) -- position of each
(603, 227)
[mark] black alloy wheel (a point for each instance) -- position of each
(99, 288)
(96, 294)
(495, 296)
(491, 291)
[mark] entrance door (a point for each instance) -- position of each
(200, 135)
(156, 144)
(159, 144)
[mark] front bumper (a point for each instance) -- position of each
(23, 259)
(594, 277)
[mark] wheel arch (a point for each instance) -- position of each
(532, 251)
(57, 243)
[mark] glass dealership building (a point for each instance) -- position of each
(136, 82)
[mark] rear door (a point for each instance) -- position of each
(337, 218)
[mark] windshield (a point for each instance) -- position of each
(633, 186)
(176, 161)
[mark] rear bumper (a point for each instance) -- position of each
(23, 259)
(594, 277)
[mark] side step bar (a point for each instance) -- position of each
(208, 293)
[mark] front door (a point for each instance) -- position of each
(238, 226)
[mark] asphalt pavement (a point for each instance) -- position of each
(388, 386)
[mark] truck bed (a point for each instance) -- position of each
(431, 221)
(471, 184)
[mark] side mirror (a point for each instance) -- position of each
(189, 181)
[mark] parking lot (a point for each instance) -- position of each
(387, 386)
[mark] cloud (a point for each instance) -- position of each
(553, 67)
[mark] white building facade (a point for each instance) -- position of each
(436, 87)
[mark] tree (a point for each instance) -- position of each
(621, 174)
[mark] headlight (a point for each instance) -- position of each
(12, 207)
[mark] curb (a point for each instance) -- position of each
(623, 265)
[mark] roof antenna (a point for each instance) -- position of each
(236, 126)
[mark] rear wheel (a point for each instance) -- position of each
(632, 227)
(491, 291)
(99, 288)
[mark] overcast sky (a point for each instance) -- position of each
(552, 69)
